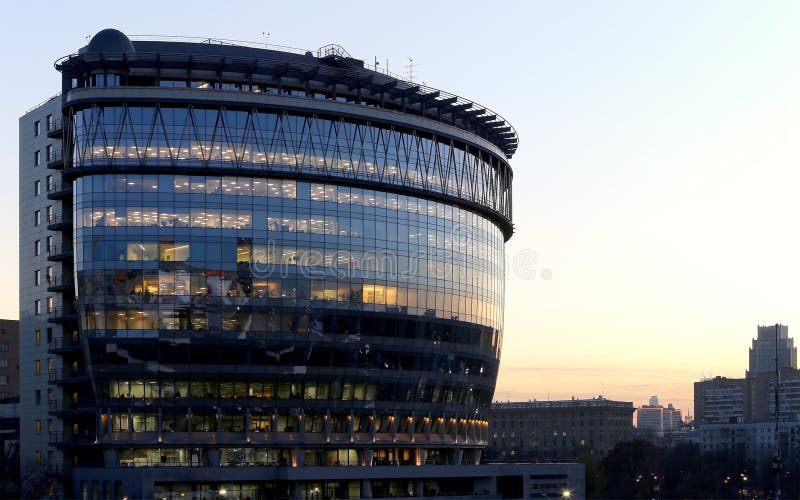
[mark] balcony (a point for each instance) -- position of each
(62, 314)
(55, 127)
(59, 189)
(59, 376)
(63, 344)
(55, 159)
(56, 222)
(60, 283)
(59, 252)
(66, 406)
(58, 438)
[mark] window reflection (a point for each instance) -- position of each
(154, 136)
(284, 240)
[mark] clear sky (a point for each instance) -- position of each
(656, 183)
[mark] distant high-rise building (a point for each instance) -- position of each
(654, 417)
(673, 419)
(735, 416)
(763, 352)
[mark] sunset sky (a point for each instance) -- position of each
(656, 183)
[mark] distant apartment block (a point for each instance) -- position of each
(654, 417)
(722, 400)
(9, 359)
(557, 430)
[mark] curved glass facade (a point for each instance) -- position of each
(251, 281)
(280, 142)
(404, 294)
(281, 242)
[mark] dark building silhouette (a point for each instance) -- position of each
(557, 430)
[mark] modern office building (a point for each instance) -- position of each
(557, 430)
(764, 350)
(258, 273)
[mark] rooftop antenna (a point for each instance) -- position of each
(265, 34)
(410, 69)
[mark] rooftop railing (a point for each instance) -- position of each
(43, 103)
(426, 96)
(217, 41)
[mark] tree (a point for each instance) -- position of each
(595, 475)
(633, 469)
(34, 482)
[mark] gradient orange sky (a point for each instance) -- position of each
(655, 184)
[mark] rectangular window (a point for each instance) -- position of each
(37, 188)
(37, 277)
(37, 367)
(37, 396)
(50, 305)
(3, 363)
(49, 120)
(49, 182)
(37, 337)
(37, 158)
(50, 214)
(3, 379)
(37, 307)
(38, 455)
(142, 251)
(49, 152)
(37, 217)
(37, 128)
(37, 248)
(38, 426)
(48, 275)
